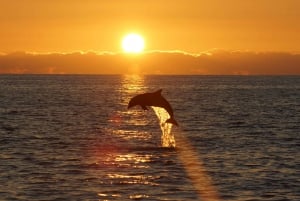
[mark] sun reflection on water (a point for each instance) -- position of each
(133, 158)
(134, 172)
(132, 134)
(133, 179)
(133, 84)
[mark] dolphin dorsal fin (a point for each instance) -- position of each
(158, 92)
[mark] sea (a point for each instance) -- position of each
(71, 137)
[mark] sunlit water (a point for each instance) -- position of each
(72, 138)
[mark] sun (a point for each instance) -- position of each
(133, 43)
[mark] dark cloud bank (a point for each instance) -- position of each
(215, 63)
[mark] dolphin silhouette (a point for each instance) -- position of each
(153, 99)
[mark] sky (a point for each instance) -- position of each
(189, 26)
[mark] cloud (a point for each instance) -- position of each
(217, 62)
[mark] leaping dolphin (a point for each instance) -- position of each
(153, 99)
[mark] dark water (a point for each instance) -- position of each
(72, 138)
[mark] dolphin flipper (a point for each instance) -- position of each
(172, 121)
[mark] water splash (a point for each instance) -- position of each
(167, 138)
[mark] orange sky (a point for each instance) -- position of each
(187, 25)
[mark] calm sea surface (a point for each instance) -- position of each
(68, 137)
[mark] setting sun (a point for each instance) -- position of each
(133, 43)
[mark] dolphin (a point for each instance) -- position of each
(153, 99)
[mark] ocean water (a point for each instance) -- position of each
(71, 137)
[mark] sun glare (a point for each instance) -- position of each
(133, 43)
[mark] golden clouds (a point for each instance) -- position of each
(214, 63)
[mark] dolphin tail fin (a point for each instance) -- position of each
(172, 121)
